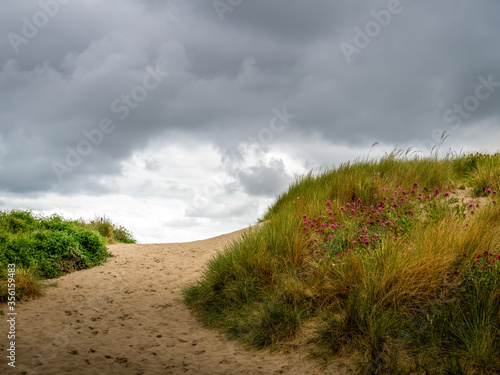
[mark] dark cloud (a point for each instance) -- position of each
(226, 77)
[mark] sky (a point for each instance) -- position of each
(182, 120)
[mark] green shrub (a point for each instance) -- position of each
(47, 247)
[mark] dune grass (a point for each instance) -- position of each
(384, 257)
(48, 247)
(107, 229)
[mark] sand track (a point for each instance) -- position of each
(127, 317)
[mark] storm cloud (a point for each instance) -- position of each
(176, 104)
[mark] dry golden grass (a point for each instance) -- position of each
(27, 285)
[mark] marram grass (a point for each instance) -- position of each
(396, 260)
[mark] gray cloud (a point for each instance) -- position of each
(265, 179)
(224, 80)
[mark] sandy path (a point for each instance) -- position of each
(127, 317)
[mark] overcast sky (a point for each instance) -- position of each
(184, 119)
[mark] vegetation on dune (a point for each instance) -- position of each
(387, 259)
(47, 247)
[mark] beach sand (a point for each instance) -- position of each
(127, 317)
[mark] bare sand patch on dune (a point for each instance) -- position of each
(127, 317)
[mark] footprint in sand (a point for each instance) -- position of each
(121, 359)
(79, 298)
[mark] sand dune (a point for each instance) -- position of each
(127, 317)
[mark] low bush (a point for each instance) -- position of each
(48, 247)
